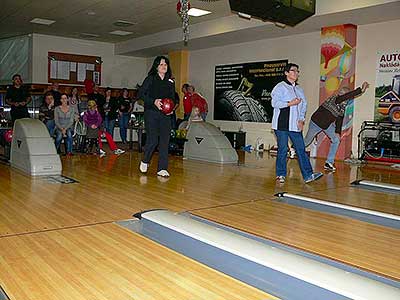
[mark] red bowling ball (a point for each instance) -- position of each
(8, 136)
(167, 106)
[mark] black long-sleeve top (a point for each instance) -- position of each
(109, 109)
(333, 109)
(153, 88)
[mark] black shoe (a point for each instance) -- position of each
(329, 167)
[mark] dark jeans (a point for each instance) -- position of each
(298, 144)
(158, 130)
(51, 126)
(68, 139)
(109, 125)
(123, 121)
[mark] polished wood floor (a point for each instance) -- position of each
(58, 241)
(103, 262)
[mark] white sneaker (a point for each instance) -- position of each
(292, 153)
(280, 179)
(102, 153)
(329, 167)
(143, 167)
(163, 173)
(119, 151)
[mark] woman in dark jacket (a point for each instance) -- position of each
(157, 85)
(125, 110)
(109, 112)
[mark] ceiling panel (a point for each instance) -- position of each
(72, 16)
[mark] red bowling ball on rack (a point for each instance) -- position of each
(8, 136)
(167, 105)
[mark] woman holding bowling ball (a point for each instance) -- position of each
(156, 88)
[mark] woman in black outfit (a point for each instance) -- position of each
(125, 110)
(109, 112)
(157, 85)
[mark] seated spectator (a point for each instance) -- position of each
(74, 100)
(199, 101)
(187, 102)
(196, 116)
(56, 94)
(46, 113)
(64, 117)
(93, 120)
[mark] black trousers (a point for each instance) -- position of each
(158, 130)
(19, 112)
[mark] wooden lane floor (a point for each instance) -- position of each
(103, 262)
(357, 197)
(112, 189)
(367, 246)
(380, 173)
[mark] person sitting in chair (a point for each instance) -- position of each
(64, 117)
(93, 120)
(46, 113)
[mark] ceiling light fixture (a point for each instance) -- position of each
(244, 16)
(280, 25)
(196, 12)
(121, 32)
(122, 23)
(88, 35)
(42, 21)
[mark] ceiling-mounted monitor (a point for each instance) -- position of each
(289, 12)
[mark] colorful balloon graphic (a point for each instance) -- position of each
(332, 42)
(345, 64)
(332, 84)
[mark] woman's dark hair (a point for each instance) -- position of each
(108, 89)
(156, 63)
(289, 66)
(16, 75)
(77, 92)
(48, 94)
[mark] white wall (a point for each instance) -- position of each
(117, 70)
(304, 50)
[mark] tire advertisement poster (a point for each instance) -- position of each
(387, 87)
(242, 92)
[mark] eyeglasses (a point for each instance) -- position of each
(295, 71)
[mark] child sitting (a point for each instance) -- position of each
(93, 120)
